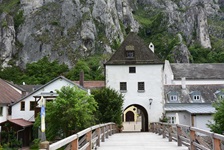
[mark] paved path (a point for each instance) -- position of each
(138, 141)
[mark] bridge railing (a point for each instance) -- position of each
(192, 137)
(86, 139)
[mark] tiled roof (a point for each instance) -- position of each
(30, 88)
(184, 95)
(191, 108)
(21, 122)
(142, 54)
(198, 71)
(92, 84)
(8, 93)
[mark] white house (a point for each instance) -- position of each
(190, 90)
(9, 94)
(25, 107)
(136, 72)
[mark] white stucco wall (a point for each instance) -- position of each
(29, 115)
(200, 121)
(151, 75)
(4, 114)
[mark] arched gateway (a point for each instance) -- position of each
(142, 114)
(136, 72)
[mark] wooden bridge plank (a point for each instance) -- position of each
(139, 141)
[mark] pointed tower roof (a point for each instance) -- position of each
(133, 51)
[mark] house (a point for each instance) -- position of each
(9, 94)
(190, 90)
(25, 107)
(136, 72)
(24, 110)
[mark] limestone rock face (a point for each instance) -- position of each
(67, 30)
(7, 38)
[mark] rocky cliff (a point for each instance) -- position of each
(68, 30)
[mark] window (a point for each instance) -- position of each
(1, 111)
(130, 54)
(141, 86)
(22, 106)
(196, 97)
(132, 70)
(123, 86)
(172, 120)
(173, 98)
(32, 105)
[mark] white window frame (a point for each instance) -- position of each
(172, 119)
(173, 98)
(196, 97)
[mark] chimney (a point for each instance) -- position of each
(183, 83)
(81, 78)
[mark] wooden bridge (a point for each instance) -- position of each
(162, 136)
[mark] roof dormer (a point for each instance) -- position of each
(196, 96)
(173, 97)
(130, 51)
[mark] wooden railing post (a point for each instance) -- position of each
(98, 132)
(103, 136)
(156, 131)
(89, 139)
(159, 129)
(44, 145)
(170, 133)
(164, 130)
(75, 144)
(192, 139)
(107, 130)
(110, 129)
(216, 144)
(179, 141)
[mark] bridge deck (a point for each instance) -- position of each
(138, 141)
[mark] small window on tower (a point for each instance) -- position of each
(141, 86)
(123, 86)
(132, 70)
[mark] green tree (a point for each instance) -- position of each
(218, 125)
(70, 112)
(109, 105)
(12, 74)
(43, 71)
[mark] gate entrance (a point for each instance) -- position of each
(135, 118)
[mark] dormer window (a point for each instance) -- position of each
(130, 54)
(173, 96)
(196, 96)
(130, 51)
(220, 94)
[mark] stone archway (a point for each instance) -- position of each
(144, 117)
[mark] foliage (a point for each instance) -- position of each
(110, 105)
(218, 125)
(9, 6)
(18, 19)
(35, 144)
(43, 71)
(70, 112)
(12, 74)
(163, 118)
(91, 67)
(8, 138)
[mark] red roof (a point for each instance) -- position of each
(21, 122)
(92, 84)
(8, 93)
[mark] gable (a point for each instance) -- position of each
(133, 51)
